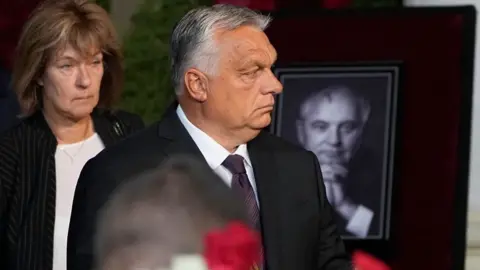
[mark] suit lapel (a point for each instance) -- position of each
(266, 178)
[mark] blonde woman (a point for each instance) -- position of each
(67, 75)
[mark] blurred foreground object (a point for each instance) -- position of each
(364, 261)
(236, 247)
(198, 214)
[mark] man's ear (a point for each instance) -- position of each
(196, 84)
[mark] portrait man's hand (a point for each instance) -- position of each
(333, 172)
(332, 175)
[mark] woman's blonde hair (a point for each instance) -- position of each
(53, 26)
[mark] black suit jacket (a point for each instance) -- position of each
(28, 186)
(297, 227)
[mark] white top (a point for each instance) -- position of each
(69, 161)
(215, 154)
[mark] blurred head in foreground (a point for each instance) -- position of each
(164, 212)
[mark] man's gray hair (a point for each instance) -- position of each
(312, 101)
(162, 213)
(192, 42)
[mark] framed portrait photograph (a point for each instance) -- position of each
(345, 114)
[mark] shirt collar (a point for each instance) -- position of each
(212, 151)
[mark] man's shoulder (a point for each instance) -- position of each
(285, 152)
(280, 145)
(130, 151)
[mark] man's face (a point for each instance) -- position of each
(241, 94)
(332, 129)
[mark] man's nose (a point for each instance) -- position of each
(333, 137)
(83, 77)
(272, 84)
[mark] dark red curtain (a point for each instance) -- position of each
(269, 5)
(13, 15)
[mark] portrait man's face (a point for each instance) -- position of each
(331, 128)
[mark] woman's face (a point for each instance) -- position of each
(72, 83)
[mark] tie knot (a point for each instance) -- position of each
(234, 163)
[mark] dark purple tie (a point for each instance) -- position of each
(241, 184)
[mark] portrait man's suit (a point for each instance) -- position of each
(297, 227)
(363, 186)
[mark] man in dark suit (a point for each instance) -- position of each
(221, 69)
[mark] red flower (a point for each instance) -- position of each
(364, 261)
(234, 248)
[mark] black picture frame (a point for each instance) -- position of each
(433, 78)
(302, 80)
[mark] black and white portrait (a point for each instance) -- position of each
(345, 116)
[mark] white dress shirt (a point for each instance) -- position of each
(360, 222)
(215, 154)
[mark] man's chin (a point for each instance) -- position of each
(328, 159)
(262, 122)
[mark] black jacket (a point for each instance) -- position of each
(28, 186)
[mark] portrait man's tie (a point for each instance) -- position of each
(241, 184)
